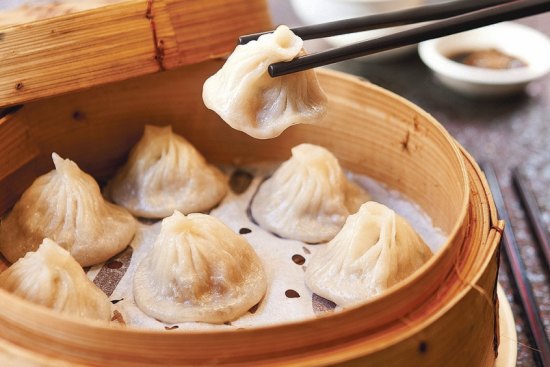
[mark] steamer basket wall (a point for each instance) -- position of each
(445, 314)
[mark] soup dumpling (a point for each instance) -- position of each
(198, 270)
(165, 173)
(375, 249)
(66, 205)
(308, 198)
(244, 95)
(51, 277)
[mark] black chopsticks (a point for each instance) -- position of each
(492, 11)
(534, 216)
(519, 275)
(385, 20)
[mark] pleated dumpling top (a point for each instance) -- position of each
(165, 173)
(51, 277)
(198, 270)
(244, 95)
(66, 205)
(375, 250)
(308, 198)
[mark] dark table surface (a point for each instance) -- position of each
(511, 132)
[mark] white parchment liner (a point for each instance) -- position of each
(288, 298)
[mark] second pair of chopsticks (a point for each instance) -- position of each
(518, 269)
(534, 216)
(465, 15)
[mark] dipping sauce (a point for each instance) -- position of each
(488, 59)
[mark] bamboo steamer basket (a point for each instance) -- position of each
(444, 314)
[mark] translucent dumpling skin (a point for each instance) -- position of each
(375, 249)
(244, 95)
(52, 278)
(308, 198)
(66, 205)
(165, 173)
(198, 270)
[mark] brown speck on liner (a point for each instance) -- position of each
(174, 327)
(291, 293)
(240, 181)
(245, 230)
(298, 259)
(306, 250)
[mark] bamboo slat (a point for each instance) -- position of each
(117, 42)
(445, 314)
(32, 11)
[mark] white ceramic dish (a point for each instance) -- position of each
(507, 350)
(321, 11)
(513, 39)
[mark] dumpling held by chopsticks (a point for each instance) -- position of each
(244, 95)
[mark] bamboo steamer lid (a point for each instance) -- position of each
(444, 314)
(117, 42)
(29, 12)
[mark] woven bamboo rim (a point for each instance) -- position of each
(415, 312)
